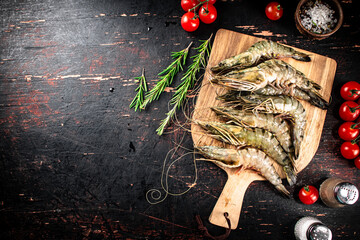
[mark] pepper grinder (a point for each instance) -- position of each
(335, 192)
(310, 228)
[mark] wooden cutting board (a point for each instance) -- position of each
(227, 43)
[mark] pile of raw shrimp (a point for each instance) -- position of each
(263, 116)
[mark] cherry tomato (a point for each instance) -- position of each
(308, 194)
(212, 1)
(348, 131)
(349, 150)
(189, 22)
(349, 111)
(357, 162)
(350, 91)
(189, 4)
(274, 11)
(208, 13)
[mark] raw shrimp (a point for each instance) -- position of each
(313, 99)
(275, 73)
(258, 52)
(248, 158)
(257, 137)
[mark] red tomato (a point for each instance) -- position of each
(274, 11)
(349, 111)
(208, 13)
(357, 162)
(190, 22)
(349, 150)
(212, 1)
(350, 91)
(348, 131)
(308, 194)
(188, 4)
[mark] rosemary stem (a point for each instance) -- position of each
(167, 76)
(187, 82)
(141, 89)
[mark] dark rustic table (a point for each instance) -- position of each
(76, 162)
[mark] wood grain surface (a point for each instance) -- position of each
(321, 69)
(76, 162)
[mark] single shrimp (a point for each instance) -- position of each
(257, 137)
(248, 158)
(258, 52)
(312, 97)
(275, 73)
(268, 121)
(268, 90)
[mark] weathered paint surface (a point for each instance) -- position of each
(76, 162)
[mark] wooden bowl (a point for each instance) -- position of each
(334, 4)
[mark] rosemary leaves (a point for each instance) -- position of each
(138, 100)
(167, 76)
(187, 82)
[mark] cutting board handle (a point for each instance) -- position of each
(231, 199)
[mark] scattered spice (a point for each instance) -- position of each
(318, 17)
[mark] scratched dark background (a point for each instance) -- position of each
(76, 162)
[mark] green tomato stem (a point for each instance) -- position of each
(355, 125)
(354, 92)
(200, 3)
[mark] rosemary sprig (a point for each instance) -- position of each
(187, 82)
(167, 76)
(141, 89)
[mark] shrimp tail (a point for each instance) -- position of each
(290, 175)
(316, 85)
(301, 57)
(281, 188)
(316, 99)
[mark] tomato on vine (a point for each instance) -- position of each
(349, 131)
(349, 150)
(274, 11)
(308, 194)
(207, 13)
(188, 4)
(190, 22)
(349, 111)
(350, 91)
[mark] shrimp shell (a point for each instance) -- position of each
(256, 137)
(258, 52)
(247, 158)
(277, 126)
